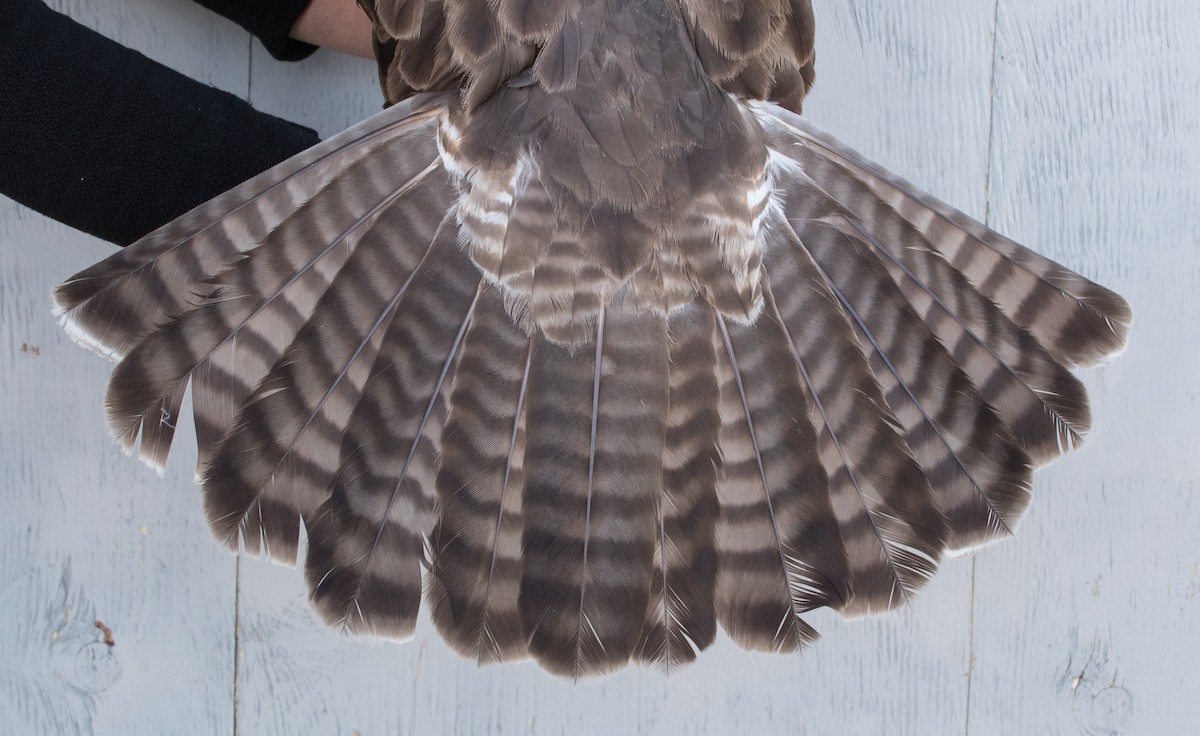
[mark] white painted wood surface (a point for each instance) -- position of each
(1073, 125)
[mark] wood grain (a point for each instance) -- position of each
(1071, 124)
(1086, 624)
(88, 534)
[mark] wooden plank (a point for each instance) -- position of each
(88, 534)
(907, 83)
(1086, 624)
(327, 92)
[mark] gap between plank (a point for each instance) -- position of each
(987, 216)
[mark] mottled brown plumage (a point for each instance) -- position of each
(595, 344)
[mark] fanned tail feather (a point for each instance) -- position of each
(1076, 320)
(1037, 397)
(779, 549)
(278, 461)
(112, 305)
(593, 473)
(366, 543)
(681, 620)
(979, 475)
(226, 341)
(475, 572)
(891, 528)
(978, 472)
(969, 335)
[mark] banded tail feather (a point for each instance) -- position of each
(598, 346)
(366, 549)
(593, 472)
(283, 449)
(681, 619)
(476, 552)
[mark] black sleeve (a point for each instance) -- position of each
(270, 21)
(109, 142)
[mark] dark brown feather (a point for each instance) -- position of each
(681, 621)
(476, 565)
(279, 460)
(366, 542)
(779, 550)
(593, 459)
(396, 18)
(738, 28)
(761, 49)
(535, 19)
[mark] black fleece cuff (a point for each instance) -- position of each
(109, 142)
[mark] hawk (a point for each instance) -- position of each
(593, 343)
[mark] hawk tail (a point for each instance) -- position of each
(577, 454)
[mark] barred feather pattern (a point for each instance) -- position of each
(891, 528)
(284, 449)
(597, 346)
(231, 326)
(366, 544)
(1076, 321)
(993, 333)
(977, 471)
(476, 564)
(111, 306)
(593, 473)
(681, 621)
(779, 550)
